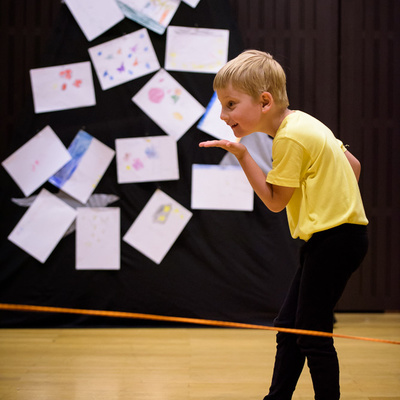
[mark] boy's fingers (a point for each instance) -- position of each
(213, 143)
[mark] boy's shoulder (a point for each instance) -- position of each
(302, 126)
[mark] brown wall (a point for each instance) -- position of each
(342, 62)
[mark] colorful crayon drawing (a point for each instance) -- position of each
(152, 14)
(90, 160)
(123, 59)
(62, 87)
(147, 159)
(98, 238)
(196, 49)
(158, 226)
(168, 104)
(37, 160)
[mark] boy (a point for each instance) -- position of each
(315, 178)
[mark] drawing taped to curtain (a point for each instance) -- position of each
(98, 238)
(158, 226)
(147, 159)
(123, 59)
(37, 160)
(62, 87)
(196, 49)
(43, 225)
(153, 14)
(90, 160)
(168, 104)
(95, 17)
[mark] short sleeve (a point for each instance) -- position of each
(287, 163)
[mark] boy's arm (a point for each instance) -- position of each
(355, 164)
(274, 197)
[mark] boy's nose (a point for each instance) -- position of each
(223, 116)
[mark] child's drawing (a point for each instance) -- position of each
(168, 104)
(146, 159)
(90, 160)
(192, 3)
(196, 49)
(62, 87)
(98, 238)
(152, 14)
(123, 59)
(42, 226)
(218, 187)
(37, 160)
(158, 226)
(95, 17)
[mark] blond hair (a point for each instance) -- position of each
(254, 72)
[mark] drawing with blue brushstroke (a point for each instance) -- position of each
(77, 149)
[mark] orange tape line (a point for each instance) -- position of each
(121, 314)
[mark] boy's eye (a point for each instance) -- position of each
(230, 104)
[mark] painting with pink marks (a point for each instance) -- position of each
(37, 160)
(168, 104)
(147, 159)
(62, 87)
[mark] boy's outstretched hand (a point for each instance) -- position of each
(237, 149)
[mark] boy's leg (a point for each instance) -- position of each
(289, 361)
(329, 260)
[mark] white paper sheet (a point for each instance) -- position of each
(42, 226)
(212, 124)
(153, 14)
(146, 159)
(95, 17)
(98, 238)
(196, 49)
(123, 59)
(90, 160)
(168, 104)
(192, 3)
(157, 227)
(62, 87)
(217, 187)
(37, 160)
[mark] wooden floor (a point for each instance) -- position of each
(185, 363)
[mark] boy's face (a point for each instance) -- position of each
(240, 111)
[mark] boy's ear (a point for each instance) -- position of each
(266, 100)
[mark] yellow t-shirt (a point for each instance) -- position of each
(307, 156)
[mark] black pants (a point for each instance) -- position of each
(327, 261)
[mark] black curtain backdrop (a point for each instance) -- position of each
(225, 265)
